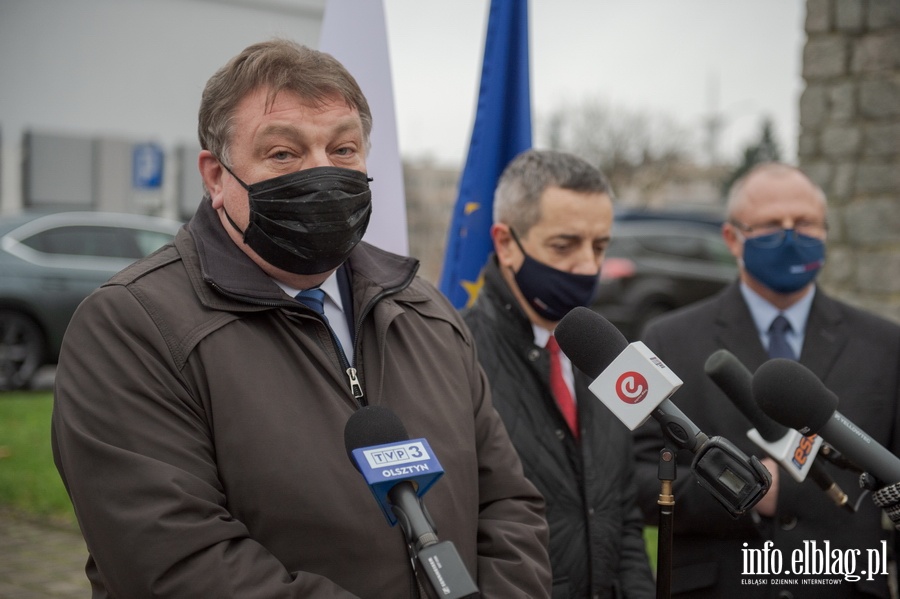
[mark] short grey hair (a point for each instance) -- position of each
(524, 180)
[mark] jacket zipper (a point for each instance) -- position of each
(355, 386)
(356, 389)
(353, 374)
(355, 382)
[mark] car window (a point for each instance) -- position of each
(618, 247)
(85, 240)
(149, 241)
(675, 245)
(719, 252)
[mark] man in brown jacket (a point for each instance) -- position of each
(200, 407)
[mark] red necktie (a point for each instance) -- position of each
(560, 389)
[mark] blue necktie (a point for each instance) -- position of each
(313, 298)
(778, 343)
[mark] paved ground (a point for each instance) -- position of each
(40, 560)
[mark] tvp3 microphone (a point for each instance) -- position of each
(634, 384)
(399, 471)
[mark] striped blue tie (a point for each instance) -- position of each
(778, 343)
(313, 298)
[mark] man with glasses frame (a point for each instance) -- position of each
(776, 227)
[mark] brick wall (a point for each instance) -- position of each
(850, 144)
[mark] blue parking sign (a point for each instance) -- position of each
(146, 166)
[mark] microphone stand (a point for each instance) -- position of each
(734, 480)
(666, 503)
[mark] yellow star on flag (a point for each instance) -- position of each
(473, 288)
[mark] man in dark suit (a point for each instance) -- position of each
(776, 228)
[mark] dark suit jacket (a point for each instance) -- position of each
(857, 356)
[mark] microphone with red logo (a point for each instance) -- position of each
(628, 378)
(634, 384)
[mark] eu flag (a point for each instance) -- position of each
(502, 130)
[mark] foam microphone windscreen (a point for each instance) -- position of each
(736, 381)
(791, 394)
(370, 426)
(590, 341)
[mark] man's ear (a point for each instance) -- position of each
(733, 240)
(211, 172)
(503, 243)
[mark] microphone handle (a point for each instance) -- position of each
(861, 449)
(439, 561)
(678, 427)
(821, 477)
(411, 515)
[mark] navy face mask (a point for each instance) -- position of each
(785, 261)
(552, 293)
(307, 222)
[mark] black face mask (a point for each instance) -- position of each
(307, 222)
(551, 292)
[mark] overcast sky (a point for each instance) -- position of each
(658, 56)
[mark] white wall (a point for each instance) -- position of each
(124, 68)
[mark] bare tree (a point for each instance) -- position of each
(765, 149)
(637, 150)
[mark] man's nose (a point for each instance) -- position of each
(586, 262)
(788, 222)
(319, 157)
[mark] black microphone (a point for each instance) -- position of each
(379, 447)
(736, 381)
(791, 394)
(629, 375)
(796, 453)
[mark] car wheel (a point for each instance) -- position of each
(21, 350)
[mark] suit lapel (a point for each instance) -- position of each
(826, 335)
(735, 330)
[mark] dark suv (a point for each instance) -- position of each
(655, 265)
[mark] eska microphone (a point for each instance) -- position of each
(793, 451)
